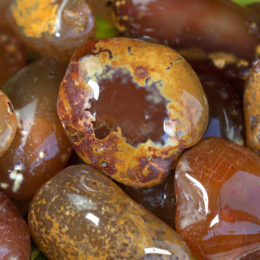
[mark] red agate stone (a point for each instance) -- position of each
(217, 188)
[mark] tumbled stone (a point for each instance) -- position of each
(217, 188)
(130, 108)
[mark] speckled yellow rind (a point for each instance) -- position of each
(252, 109)
(80, 214)
(148, 163)
(35, 17)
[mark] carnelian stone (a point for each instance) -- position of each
(217, 188)
(130, 108)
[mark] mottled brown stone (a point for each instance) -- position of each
(81, 214)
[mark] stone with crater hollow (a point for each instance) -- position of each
(131, 107)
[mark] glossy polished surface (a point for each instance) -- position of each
(53, 28)
(81, 214)
(159, 199)
(8, 123)
(130, 107)
(225, 66)
(213, 25)
(217, 188)
(252, 109)
(40, 148)
(14, 233)
(225, 109)
(12, 54)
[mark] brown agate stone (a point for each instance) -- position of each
(225, 66)
(252, 109)
(8, 123)
(81, 214)
(225, 109)
(217, 188)
(40, 147)
(14, 233)
(12, 54)
(159, 199)
(214, 26)
(53, 28)
(130, 108)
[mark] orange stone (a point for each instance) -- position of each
(217, 188)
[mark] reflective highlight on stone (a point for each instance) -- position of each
(40, 147)
(53, 28)
(217, 188)
(130, 107)
(214, 26)
(159, 199)
(225, 109)
(81, 214)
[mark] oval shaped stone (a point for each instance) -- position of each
(213, 26)
(81, 214)
(53, 28)
(217, 188)
(40, 147)
(130, 108)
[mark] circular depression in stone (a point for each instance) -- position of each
(119, 102)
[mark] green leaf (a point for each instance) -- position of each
(105, 29)
(245, 2)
